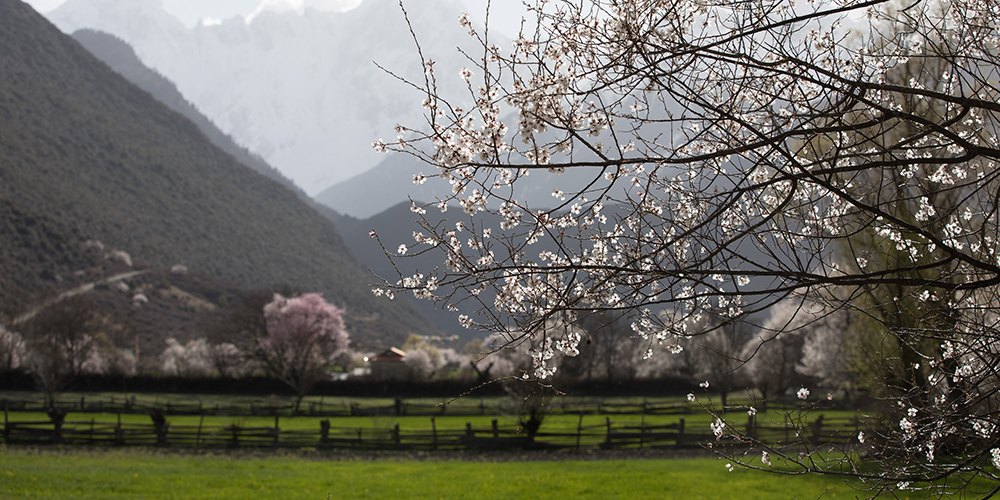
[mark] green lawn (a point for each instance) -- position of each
(146, 475)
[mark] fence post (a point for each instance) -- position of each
(642, 428)
(395, 435)
(817, 429)
(90, 438)
(58, 417)
(277, 429)
(161, 425)
(119, 432)
(608, 438)
(324, 432)
(579, 430)
(197, 439)
(496, 431)
(468, 430)
(680, 433)
(751, 427)
(6, 424)
(786, 428)
(434, 434)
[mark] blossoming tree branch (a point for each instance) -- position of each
(722, 157)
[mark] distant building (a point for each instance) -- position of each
(390, 365)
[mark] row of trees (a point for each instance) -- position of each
(801, 343)
(294, 340)
(299, 339)
(65, 340)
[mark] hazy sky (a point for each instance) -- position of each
(505, 14)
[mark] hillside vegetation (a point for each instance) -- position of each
(37, 255)
(84, 146)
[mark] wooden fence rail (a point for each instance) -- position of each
(610, 435)
(400, 407)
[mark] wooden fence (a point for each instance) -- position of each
(609, 435)
(400, 407)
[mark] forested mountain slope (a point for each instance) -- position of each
(117, 54)
(81, 144)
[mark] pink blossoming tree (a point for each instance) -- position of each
(304, 334)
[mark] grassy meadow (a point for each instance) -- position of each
(104, 472)
(139, 474)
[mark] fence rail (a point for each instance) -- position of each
(400, 407)
(610, 435)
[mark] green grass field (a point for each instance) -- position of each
(137, 474)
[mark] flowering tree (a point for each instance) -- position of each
(12, 349)
(610, 355)
(419, 363)
(60, 343)
(193, 359)
(304, 334)
(801, 340)
(229, 360)
(722, 156)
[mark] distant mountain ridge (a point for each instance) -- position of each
(80, 144)
(117, 54)
(300, 89)
(391, 182)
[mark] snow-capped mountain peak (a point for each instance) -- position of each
(299, 6)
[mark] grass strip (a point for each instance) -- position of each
(140, 474)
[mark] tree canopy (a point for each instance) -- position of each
(728, 156)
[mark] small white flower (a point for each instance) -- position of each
(766, 458)
(861, 437)
(752, 411)
(703, 385)
(401, 250)
(691, 396)
(729, 467)
(803, 393)
(718, 428)
(906, 426)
